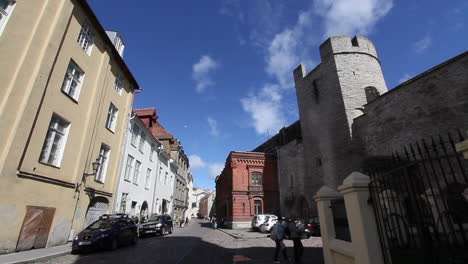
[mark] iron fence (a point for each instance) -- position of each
(418, 199)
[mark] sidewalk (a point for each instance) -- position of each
(243, 233)
(35, 254)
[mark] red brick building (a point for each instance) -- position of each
(248, 185)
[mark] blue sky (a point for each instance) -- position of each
(220, 72)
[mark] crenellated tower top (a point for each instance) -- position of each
(344, 44)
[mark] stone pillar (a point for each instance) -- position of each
(361, 219)
(323, 199)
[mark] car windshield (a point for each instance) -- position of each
(101, 224)
(154, 218)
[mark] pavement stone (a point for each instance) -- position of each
(40, 254)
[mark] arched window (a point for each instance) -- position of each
(256, 178)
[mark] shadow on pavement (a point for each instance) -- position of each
(185, 250)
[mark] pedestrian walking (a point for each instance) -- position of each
(295, 235)
(277, 235)
(186, 220)
(182, 222)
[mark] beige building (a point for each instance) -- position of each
(65, 96)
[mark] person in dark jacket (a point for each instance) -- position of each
(277, 234)
(296, 238)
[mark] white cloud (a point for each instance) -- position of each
(196, 162)
(201, 72)
(351, 16)
(404, 78)
(265, 110)
(216, 169)
(214, 131)
(421, 45)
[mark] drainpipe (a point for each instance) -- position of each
(279, 183)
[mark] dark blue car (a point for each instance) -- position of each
(109, 232)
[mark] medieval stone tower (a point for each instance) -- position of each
(329, 98)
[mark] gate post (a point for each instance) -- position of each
(327, 229)
(361, 219)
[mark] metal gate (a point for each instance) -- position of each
(419, 195)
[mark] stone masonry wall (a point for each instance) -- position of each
(430, 104)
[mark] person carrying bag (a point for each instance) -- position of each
(277, 235)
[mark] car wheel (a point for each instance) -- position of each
(262, 228)
(114, 244)
(75, 251)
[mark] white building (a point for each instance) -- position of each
(145, 177)
(196, 195)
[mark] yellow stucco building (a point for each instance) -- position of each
(65, 97)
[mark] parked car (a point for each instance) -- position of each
(260, 219)
(157, 224)
(267, 226)
(109, 232)
(313, 227)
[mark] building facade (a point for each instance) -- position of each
(179, 165)
(165, 167)
(142, 166)
(72, 94)
(208, 206)
(247, 186)
(197, 194)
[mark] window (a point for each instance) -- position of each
(136, 172)
(151, 153)
(72, 82)
(103, 160)
(86, 39)
(165, 178)
(135, 132)
(123, 202)
(256, 178)
(112, 117)
(129, 168)
(160, 174)
(142, 141)
(118, 84)
(6, 8)
(258, 207)
(148, 178)
(54, 144)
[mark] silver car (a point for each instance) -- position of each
(261, 219)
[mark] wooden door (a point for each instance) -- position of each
(36, 226)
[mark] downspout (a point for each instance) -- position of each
(279, 183)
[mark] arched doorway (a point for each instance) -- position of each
(144, 210)
(97, 207)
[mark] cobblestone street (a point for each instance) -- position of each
(197, 243)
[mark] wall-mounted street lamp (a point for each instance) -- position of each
(96, 164)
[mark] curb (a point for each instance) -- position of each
(18, 258)
(43, 258)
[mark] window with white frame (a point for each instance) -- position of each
(112, 117)
(129, 168)
(152, 152)
(118, 84)
(104, 161)
(86, 38)
(136, 173)
(55, 141)
(73, 79)
(135, 133)
(148, 178)
(6, 8)
(142, 141)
